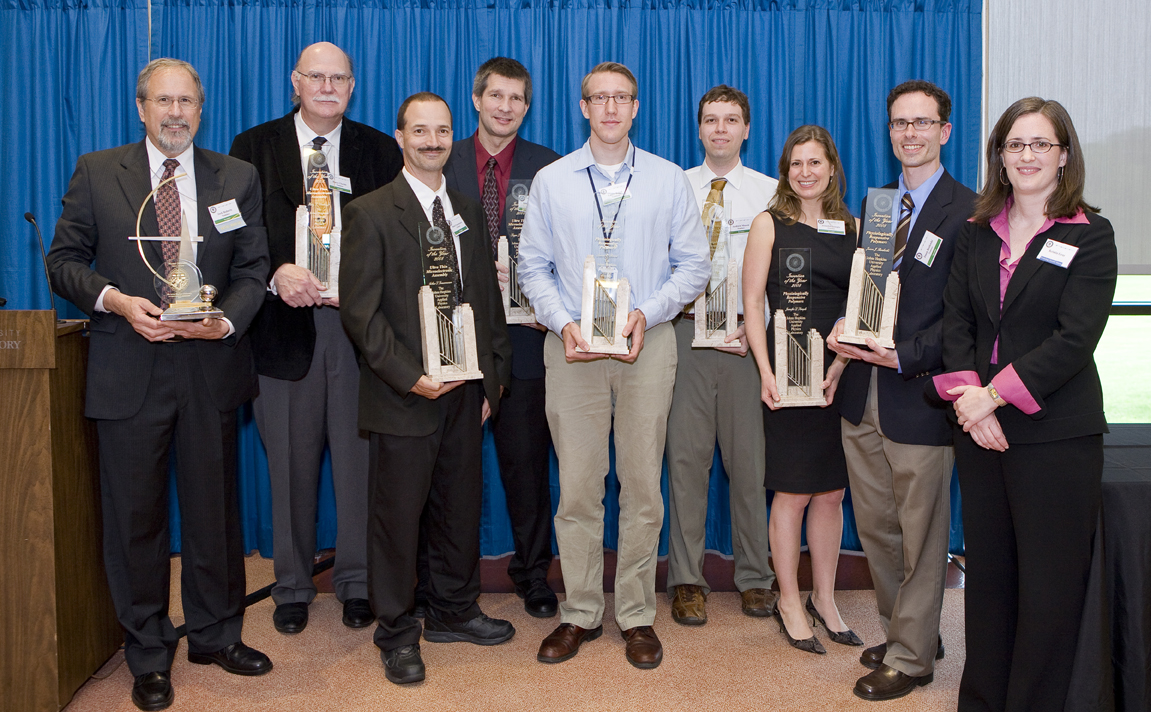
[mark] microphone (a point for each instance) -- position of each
(43, 255)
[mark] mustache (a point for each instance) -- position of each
(174, 123)
(431, 149)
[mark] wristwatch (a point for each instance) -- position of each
(995, 395)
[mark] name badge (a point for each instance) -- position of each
(614, 193)
(1058, 253)
(928, 248)
(226, 216)
(739, 226)
(831, 227)
(340, 183)
(459, 227)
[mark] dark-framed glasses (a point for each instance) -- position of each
(601, 99)
(166, 102)
(919, 124)
(1035, 146)
(317, 79)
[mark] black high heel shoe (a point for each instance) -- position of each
(808, 645)
(847, 637)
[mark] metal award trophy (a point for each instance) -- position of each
(798, 355)
(447, 328)
(181, 286)
(716, 313)
(317, 240)
(606, 298)
(870, 310)
(517, 308)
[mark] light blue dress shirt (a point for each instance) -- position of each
(919, 196)
(663, 251)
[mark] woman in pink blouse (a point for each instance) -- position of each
(1028, 298)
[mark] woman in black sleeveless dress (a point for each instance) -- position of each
(805, 462)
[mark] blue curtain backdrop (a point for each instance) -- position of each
(70, 81)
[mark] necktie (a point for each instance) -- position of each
(441, 222)
(907, 205)
(491, 202)
(713, 212)
(168, 218)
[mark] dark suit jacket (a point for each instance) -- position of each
(1052, 319)
(460, 173)
(905, 414)
(380, 277)
(99, 215)
(283, 337)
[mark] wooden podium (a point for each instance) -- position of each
(57, 624)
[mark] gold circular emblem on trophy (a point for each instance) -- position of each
(178, 276)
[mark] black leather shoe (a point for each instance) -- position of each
(843, 637)
(873, 656)
(290, 618)
(421, 608)
(887, 683)
(480, 630)
(153, 690)
(404, 664)
(358, 613)
(539, 599)
(237, 659)
(807, 645)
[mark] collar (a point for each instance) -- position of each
(503, 158)
(425, 195)
(920, 194)
(1001, 227)
(187, 165)
(584, 159)
(305, 135)
(734, 177)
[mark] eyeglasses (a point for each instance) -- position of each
(919, 124)
(601, 99)
(165, 102)
(1035, 146)
(317, 79)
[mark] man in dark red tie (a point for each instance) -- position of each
(157, 385)
(482, 167)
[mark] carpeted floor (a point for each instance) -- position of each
(732, 663)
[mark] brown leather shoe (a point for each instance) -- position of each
(873, 656)
(689, 605)
(887, 683)
(563, 642)
(643, 647)
(756, 602)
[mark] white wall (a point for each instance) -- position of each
(1094, 57)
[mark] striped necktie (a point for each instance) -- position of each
(907, 206)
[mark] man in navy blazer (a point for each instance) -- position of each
(309, 380)
(481, 167)
(898, 445)
(154, 385)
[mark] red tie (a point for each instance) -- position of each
(491, 202)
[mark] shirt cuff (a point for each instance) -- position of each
(946, 381)
(100, 299)
(231, 328)
(1012, 390)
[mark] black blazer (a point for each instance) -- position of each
(380, 277)
(283, 337)
(1052, 319)
(906, 415)
(99, 214)
(460, 173)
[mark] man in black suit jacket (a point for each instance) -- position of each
(309, 380)
(153, 384)
(898, 445)
(426, 436)
(502, 94)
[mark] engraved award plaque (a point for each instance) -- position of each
(606, 298)
(517, 309)
(447, 328)
(870, 309)
(798, 348)
(317, 240)
(716, 313)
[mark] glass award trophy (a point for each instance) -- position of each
(517, 308)
(798, 348)
(317, 240)
(871, 310)
(447, 328)
(606, 297)
(716, 313)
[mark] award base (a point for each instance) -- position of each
(870, 312)
(311, 253)
(517, 309)
(449, 342)
(798, 367)
(716, 314)
(602, 318)
(190, 311)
